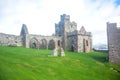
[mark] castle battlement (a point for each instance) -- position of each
(65, 17)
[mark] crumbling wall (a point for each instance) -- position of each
(10, 40)
(44, 42)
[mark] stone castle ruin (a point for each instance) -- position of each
(66, 36)
(72, 39)
(113, 33)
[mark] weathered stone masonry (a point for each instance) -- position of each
(66, 36)
(72, 39)
(10, 40)
(113, 33)
(29, 40)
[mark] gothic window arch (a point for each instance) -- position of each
(34, 43)
(44, 43)
(51, 44)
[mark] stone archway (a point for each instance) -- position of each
(44, 44)
(59, 43)
(34, 43)
(51, 44)
(72, 47)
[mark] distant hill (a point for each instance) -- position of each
(101, 46)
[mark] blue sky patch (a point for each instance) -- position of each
(117, 2)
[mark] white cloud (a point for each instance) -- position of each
(40, 15)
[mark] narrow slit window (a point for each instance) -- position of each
(86, 42)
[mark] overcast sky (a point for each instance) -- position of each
(41, 15)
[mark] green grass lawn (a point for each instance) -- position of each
(17, 63)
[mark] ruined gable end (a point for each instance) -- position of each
(82, 30)
(25, 36)
(24, 30)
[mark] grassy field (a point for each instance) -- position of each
(17, 63)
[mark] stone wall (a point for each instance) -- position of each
(10, 40)
(84, 40)
(113, 33)
(44, 42)
(72, 41)
(79, 41)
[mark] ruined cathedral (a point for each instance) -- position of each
(66, 36)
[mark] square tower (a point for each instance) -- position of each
(113, 34)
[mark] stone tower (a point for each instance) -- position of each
(113, 33)
(63, 27)
(25, 36)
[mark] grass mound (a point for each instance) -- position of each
(17, 63)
